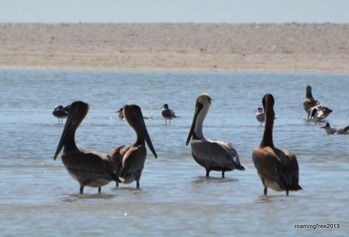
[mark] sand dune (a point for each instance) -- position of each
(238, 47)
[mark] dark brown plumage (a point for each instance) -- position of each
(129, 160)
(278, 169)
(89, 168)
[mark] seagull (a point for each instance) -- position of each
(167, 113)
(335, 130)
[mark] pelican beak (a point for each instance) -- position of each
(198, 108)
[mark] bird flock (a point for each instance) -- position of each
(278, 169)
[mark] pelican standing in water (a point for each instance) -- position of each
(130, 159)
(89, 168)
(309, 100)
(61, 112)
(167, 113)
(211, 154)
(278, 169)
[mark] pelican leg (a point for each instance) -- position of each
(286, 192)
(207, 173)
(117, 184)
(99, 190)
(223, 175)
(81, 189)
(265, 191)
(137, 184)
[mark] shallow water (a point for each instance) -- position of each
(39, 198)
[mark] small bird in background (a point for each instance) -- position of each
(120, 113)
(318, 113)
(260, 115)
(309, 100)
(335, 130)
(167, 113)
(61, 112)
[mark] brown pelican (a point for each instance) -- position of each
(89, 168)
(167, 113)
(211, 154)
(61, 112)
(309, 100)
(278, 169)
(335, 130)
(130, 159)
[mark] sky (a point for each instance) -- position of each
(174, 11)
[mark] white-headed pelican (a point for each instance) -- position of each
(278, 169)
(130, 159)
(89, 168)
(211, 154)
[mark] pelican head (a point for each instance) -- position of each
(134, 117)
(203, 103)
(77, 113)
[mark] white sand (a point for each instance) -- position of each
(238, 47)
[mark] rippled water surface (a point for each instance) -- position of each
(39, 198)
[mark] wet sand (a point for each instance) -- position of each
(233, 47)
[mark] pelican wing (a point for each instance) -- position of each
(268, 165)
(90, 163)
(291, 169)
(133, 162)
(215, 154)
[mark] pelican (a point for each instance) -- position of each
(333, 130)
(318, 113)
(89, 168)
(60, 112)
(278, 169)
(260, 115)
(309, 100)
(167, 113)
(130, 159)
(211, 154)
(120, 113)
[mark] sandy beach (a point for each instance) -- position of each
(234, 47)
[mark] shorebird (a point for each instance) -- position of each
(130, 159)
(278, 169)
(167, 113)
(309, 100)
(260, 115)
(89, 168)
(211, 154)
(60, 112)
(120, 113)
(335, 130)
(318, 113)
